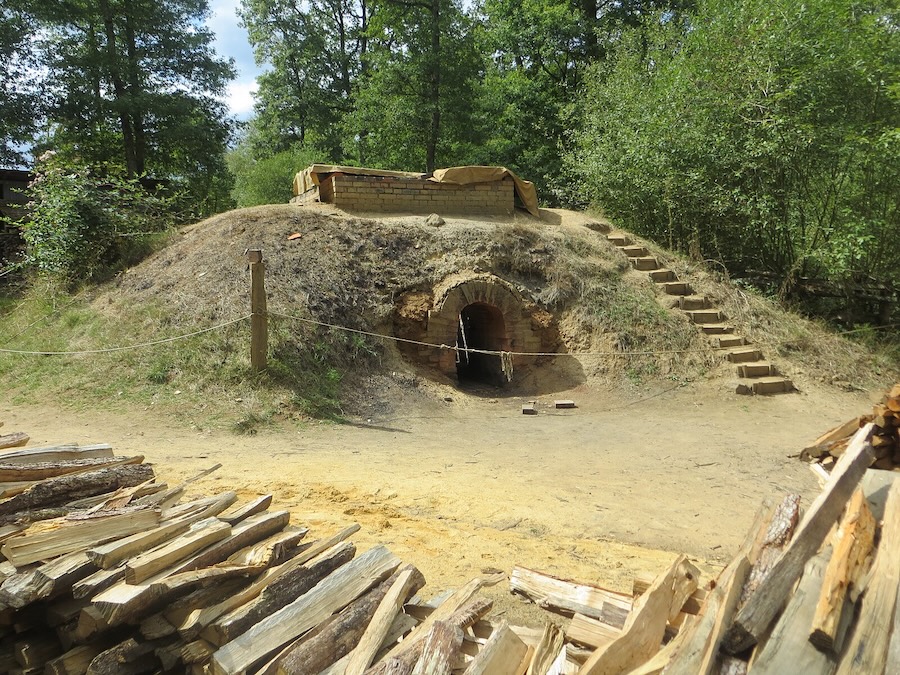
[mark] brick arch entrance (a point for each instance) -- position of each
(493, 316)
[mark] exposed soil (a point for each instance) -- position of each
(599, 493)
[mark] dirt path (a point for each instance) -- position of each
(597, 493)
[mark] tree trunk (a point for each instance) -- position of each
(134, 91)
(119, 91)
(435, 87)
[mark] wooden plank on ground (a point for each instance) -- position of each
(867, 650)
(552, 592)
(55, 453)
(337, 590)
(852, 545)
(756, 615)
(14, 440)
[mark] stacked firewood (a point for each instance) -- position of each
(826, 449)
(807, 594)
(106, 570)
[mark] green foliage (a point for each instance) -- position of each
(81, 225)
(760, 133)
(18, 101)
(133, 86)
(265, 180)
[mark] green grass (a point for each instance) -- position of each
(205, 380)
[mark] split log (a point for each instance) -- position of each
(56, 453)
(45, 580)
(370, 642)
(591, 632)
(547, 651)
(404, 657)
(203, 617)
(200, 535)
(275, 550)
(867, 650)
(643, 580)
(778, 534)
(57, 538)
(342, 634)
(334, 592)
(42, 470)
(14, 440)
(441, 646)
(502, 654)
(251, 508)
(643, 632)
(90, 623)
(280, 592)
(756, 616)
(788, 649)
(456, 603)
(73, 662)
(167, 621)
(697, 654)
(35, 651)
(402, 625)
(126, 658)
(97, 582)
(243, 534)
(129, 603)
(852, 545)
(54, 491)
(552, 592)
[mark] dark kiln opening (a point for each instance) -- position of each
(481, 326)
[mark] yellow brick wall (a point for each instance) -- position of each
(365, 193)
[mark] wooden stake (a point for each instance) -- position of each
(259, 328)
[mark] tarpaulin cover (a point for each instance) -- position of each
(464, 175)
(310, 178)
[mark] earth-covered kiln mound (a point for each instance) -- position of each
(553, 285)
(560, 287)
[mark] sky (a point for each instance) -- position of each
(231, 41)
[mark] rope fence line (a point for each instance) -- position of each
(124, 348)
(382, 336)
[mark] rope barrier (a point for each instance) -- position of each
(108, 350)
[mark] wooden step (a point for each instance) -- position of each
(731, 341)
(634, 251)
(663, 275)
(716, 328)
(756, 369)
(692, 302)
(676, 287)
(765, 386)
(645, 264)
(704, 316)
(617, 239)
(744, 355)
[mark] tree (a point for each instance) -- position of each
(18, 100)
(762, 133)
(315, 49)
(415, 96)
(133, 84)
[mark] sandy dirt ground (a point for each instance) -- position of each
(618, 486)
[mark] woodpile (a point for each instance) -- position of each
(106, 570)
(885, 417)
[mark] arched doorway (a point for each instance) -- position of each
(481, 326)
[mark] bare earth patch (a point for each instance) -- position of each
(615, 487)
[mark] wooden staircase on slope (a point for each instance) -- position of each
(757, 375)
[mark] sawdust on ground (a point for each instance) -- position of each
(618, 486)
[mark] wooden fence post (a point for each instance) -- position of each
(259, 320)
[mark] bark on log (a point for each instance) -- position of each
(341, 635)
(55, 491)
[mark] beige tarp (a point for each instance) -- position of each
(463, 175)
(308, 179)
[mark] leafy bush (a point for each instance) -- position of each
(267, 180)
(83, 224)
